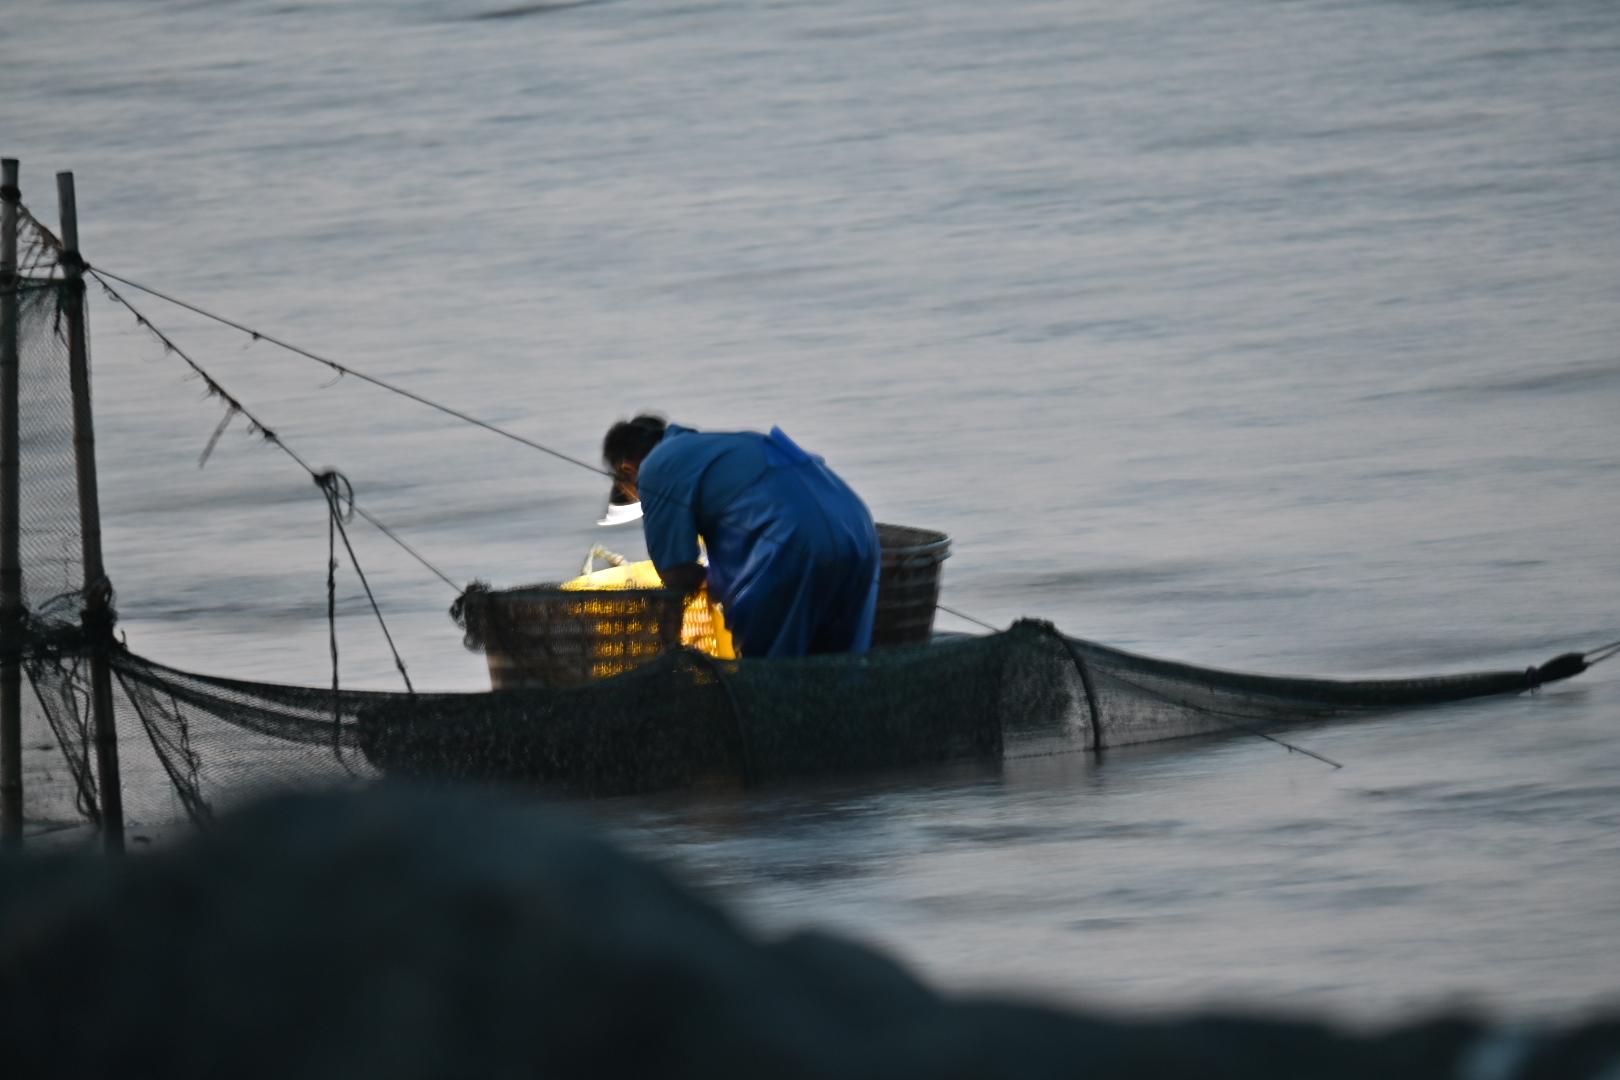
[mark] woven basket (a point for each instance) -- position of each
(549, 635)
(908, 586)
(544, 635)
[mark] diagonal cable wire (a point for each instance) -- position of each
(234, 405)
(395, 537)
(344, 369)
(255, 425)
(969, 618)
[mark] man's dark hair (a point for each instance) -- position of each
(633, 440)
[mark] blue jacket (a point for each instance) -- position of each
(793, 553)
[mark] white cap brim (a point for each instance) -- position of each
(621, 514)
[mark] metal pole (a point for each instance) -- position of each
(11, 790)
(98, 592)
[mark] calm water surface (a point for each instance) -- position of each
(1273, 336)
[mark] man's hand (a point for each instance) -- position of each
(687, 577)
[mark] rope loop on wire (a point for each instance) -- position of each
(339, 493)
(340, 507)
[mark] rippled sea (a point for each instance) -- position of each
(1277, 336)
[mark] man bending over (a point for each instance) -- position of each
(793, 554)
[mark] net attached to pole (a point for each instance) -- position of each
(192, 744)
(57, 745)
(195, 743)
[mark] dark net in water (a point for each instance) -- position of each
(191, 744)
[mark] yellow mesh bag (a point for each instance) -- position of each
(703, 626)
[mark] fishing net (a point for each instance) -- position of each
(193, 743)
(190, 744)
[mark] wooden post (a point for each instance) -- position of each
(98, 599)
(11, 791)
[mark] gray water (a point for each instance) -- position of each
(1277, 336)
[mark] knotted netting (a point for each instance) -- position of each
(193, 743)
(190, 744)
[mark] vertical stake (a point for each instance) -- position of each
(97, 614)
(11, 790)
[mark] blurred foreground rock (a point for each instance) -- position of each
(404, 934)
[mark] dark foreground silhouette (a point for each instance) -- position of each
(400, 934)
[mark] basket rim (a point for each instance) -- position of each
(555, 589)
(901, 540)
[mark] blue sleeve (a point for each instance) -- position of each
(669, 518)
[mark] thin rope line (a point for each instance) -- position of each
(213, 385)
(386, 531)
(969, 618)
(344, 369)
(331, 628)
(234, 405)
(329, 485)
(1602, 652)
